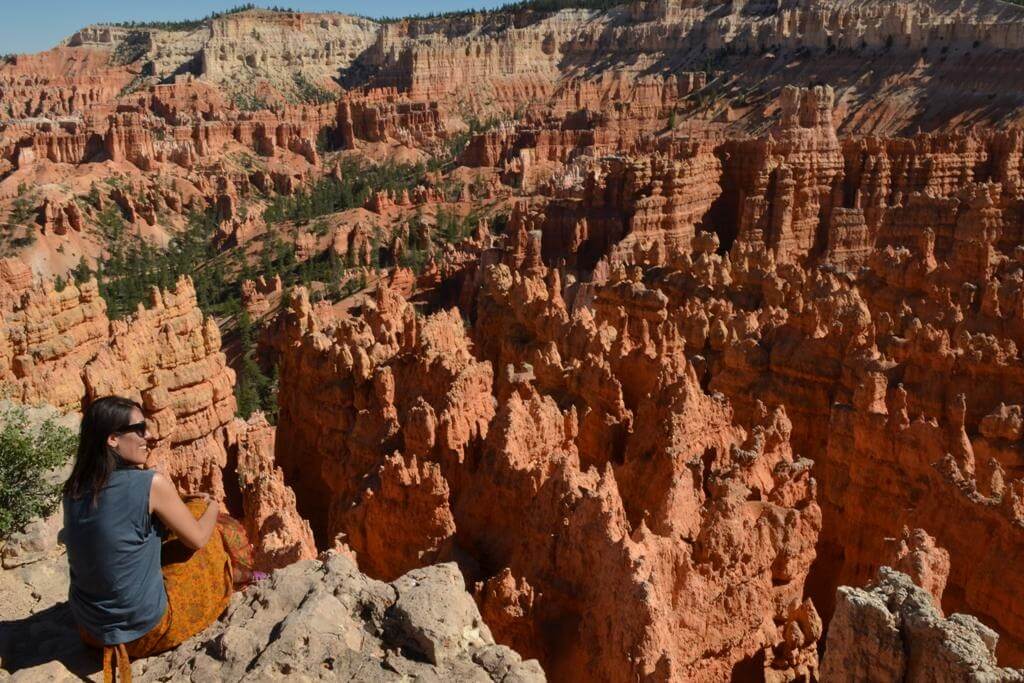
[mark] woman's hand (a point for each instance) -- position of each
(168, 506)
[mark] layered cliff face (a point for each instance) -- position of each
(237, 49)
(168, 358)
(60, 349)
(48, 337)
(160, 134)
(641, 60)
(61, 83)
(282, 46)
(174, 101)
(615, 209)
(506, 59)
(787, 180)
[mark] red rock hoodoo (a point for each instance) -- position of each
(633, 519)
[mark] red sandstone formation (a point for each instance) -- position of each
(916, 555)
(259, 296)
(643, 533)
(60, 348)
(15, 280)
(280, 537)
(60, 83)
(162, 100)
(787, 179)
(168, 358)
(404, 521)
(59, 219)
(48, 337)
(382, 115)
(615, 206)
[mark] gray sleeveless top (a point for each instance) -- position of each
(117, 591)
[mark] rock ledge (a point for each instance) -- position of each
(323, 619)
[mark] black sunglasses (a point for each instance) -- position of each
(138, 427)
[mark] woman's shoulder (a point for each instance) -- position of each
(132, 473)
(130, 479)
(161, 486)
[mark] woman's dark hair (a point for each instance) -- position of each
(95, 461)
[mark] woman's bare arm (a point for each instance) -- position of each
(172, 511)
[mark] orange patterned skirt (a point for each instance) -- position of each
(199, 584)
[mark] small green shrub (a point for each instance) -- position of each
(133, 48)
(27, 454)
(23, 209)
(249, 102)
(311, 93)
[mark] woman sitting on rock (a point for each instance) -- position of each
(134, 593)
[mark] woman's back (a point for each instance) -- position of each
(117, 591)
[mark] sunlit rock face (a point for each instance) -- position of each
(892, 631)
(629, 518)
(168, 358)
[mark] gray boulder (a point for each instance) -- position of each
(892, 631)
(324, 620)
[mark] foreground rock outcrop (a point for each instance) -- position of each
(325, 620)
(316, 619)
(891, 631)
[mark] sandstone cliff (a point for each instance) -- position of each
(59, 348)
(48, 336)
(279, 536)
(500, 60)
(168, 358)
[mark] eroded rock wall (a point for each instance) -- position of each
(711, 277)
(168, 358)
(48, 337)
(606, 512)
(278, 534)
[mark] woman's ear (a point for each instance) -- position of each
(112, 442)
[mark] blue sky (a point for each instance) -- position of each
(34, 25)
